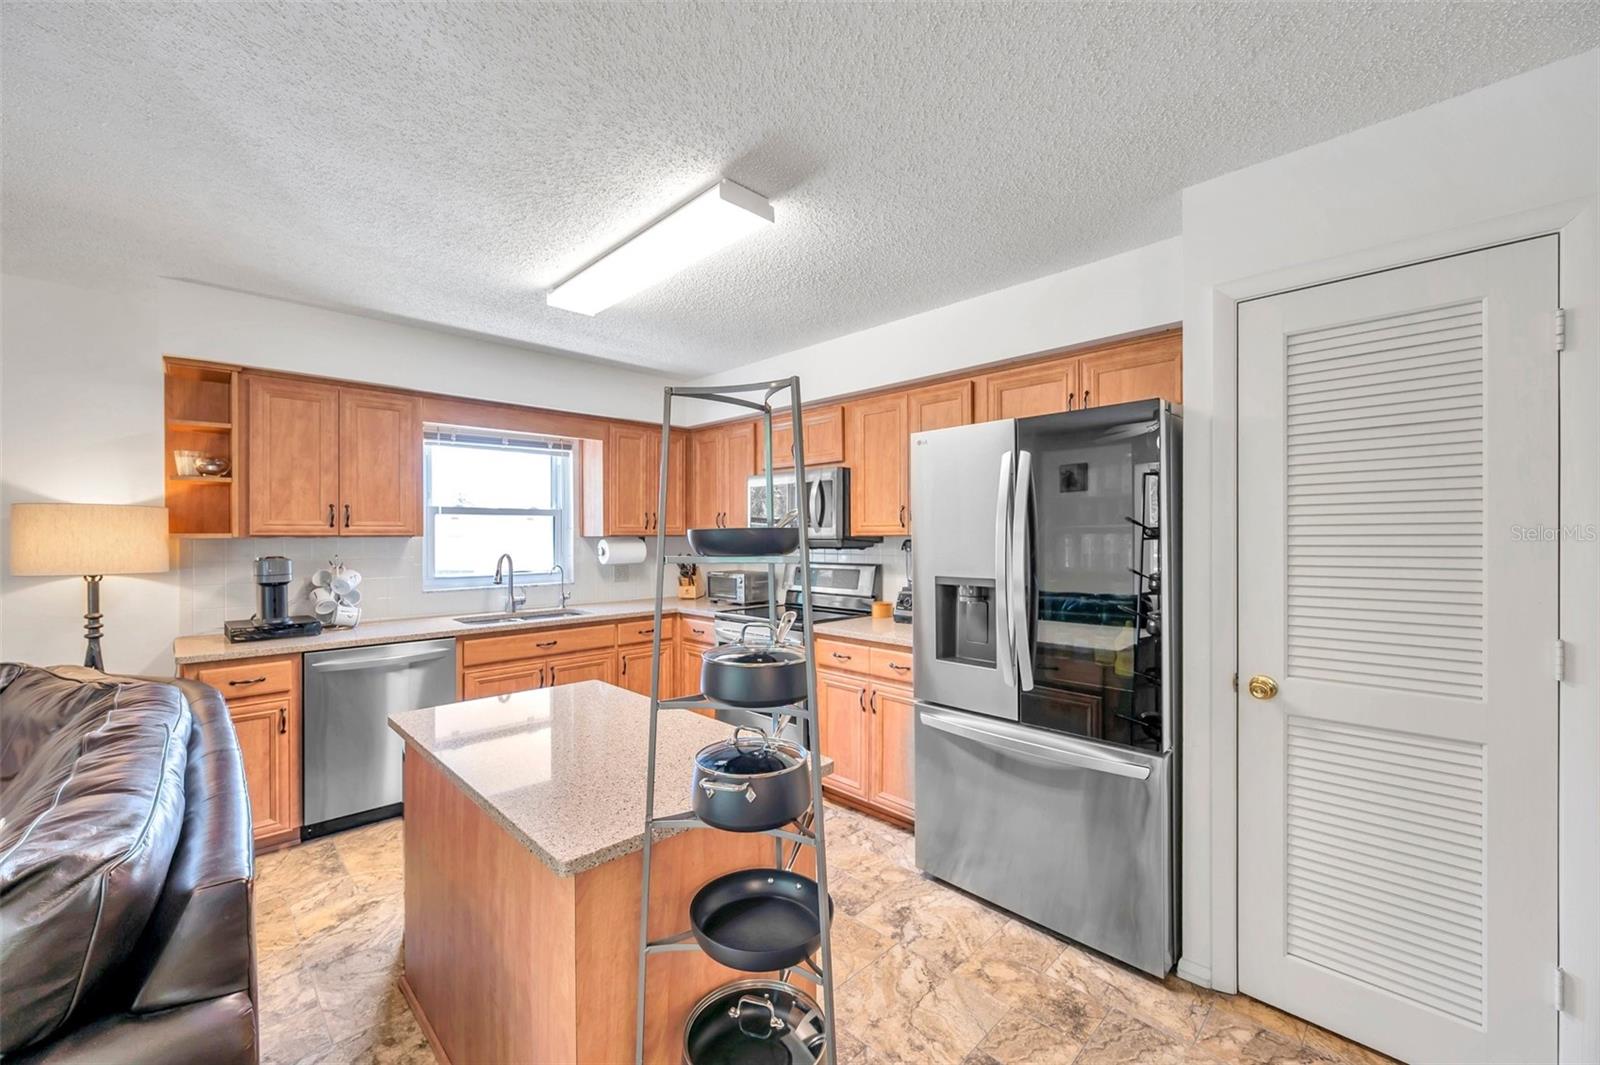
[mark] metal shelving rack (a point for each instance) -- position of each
(803, 835)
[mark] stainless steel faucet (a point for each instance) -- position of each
(510, 568)
(565, 595)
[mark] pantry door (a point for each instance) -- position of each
(1397, 792)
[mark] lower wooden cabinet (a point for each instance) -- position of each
(866, 726)
(633, 669)
(842, 729)
(263, 697)
(590, 665)
(688, 671)
(270, 746)
(483, 681)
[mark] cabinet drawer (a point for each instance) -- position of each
(837, 654)
(890, 664)
(697, 630)
(250, 677)
(541, 643)
(643, 630)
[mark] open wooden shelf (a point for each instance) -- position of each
(201, 410)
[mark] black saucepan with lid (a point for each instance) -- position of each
(755, 1022)
(752, 782)
(757, 675)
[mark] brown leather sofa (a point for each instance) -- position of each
(126, 866)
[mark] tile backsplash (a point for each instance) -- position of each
(217, 578)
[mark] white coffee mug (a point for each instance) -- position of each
(323, 578)
(345, 581)
(351, 598)
(346, 616)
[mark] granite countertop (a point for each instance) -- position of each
(872, 630)
(562, 769)
(214, 647)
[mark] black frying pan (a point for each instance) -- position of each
(762, 540)
(758, 920)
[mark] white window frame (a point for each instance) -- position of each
(562, 488)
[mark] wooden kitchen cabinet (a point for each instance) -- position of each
(868, 724)
(842, 728)
(940, 406)
(878, 443)
(484, 681)
(1046, 388)
(722, 459)
(1141, 369)
(263, 697)
(892, 772)
(380, 464)
(590, 665)
(622, 480)
(293, 468)
(824, 437)
(633, 669)
(332, 461)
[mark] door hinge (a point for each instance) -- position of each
(1236, 682)
(1559, 989)
(1561, 329)
(1560, 663)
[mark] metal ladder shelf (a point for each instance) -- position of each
(810, 835)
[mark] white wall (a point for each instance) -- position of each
(211, 323)
(1512, 159)
(1134, 292)
(80, 420)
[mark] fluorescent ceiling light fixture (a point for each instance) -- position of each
(716, 218)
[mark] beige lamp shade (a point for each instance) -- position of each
(79, 539)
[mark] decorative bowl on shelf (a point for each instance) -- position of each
(212, 467)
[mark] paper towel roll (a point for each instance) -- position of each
(624, 551)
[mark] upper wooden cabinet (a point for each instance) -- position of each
(722, 458)
(1141, 369)
(824, 437)
(622, 478)
(1028, 391)
(940, 406)
(293, 471)
(330, 461)
(877, 441)
(380, 464)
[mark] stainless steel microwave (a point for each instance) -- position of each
(827, 503)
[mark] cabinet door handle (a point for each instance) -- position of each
(330, 515)
(541, 676)
(552, 676)
(861, 699)
(874, 700)
(898, 668)
(1072, 399)
(624, 665)
(902, 515)
(1086, 399)
(251, 680)
(347, 515)
(283, 720)
(547, 643)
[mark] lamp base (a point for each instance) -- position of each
(91, 625)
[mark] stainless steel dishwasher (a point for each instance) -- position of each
(351, 757)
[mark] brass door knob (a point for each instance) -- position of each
(1262, 686)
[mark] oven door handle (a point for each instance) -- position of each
(1003, 659)
(1046, 749)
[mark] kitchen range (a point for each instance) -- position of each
(1045, 668)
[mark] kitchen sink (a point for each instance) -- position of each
(521, 615)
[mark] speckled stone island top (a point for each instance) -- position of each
(562, 769)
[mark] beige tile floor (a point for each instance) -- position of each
(927, 974)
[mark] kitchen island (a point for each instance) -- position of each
(524, 821)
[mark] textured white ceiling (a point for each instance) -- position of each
(448, 163)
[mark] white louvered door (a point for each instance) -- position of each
(1397, 798)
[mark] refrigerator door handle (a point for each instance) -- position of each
(1017, 598)
(1002, 612)
(1048, 750)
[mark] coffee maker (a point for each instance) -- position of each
(273, 620)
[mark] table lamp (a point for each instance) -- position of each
(87, 540)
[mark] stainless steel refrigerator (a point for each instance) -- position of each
(1047, 670)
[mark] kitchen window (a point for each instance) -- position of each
(487, 493)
